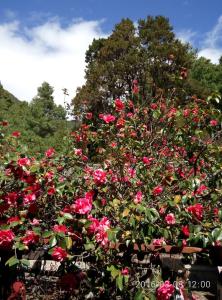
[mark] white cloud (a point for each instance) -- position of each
(186, 35)
(48, 52)
(212, 44)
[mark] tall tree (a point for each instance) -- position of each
(148, 53)
(45, 113)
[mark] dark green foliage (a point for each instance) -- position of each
(149, 53)
(42, 123)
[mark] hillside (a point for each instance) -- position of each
(42, 123)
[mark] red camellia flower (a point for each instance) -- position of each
(24, 162)
(30, 238)
(11, 198)
(147, 160)
(99, 176)
(108, 118)
(60, 228)
(213, 123)
(157, 190)
(138, 198)
(59, 254)
(16, 133)
(51, 191)
(4, 123)
(165, 291)
(201, 189)
(153, 106)
(119, 105)
(120, 123)
(6, 238)
(185, 230)
(50, 152)
(13, 219)
(196, 210)
(89, 116)
(170, 219)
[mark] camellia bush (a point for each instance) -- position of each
(145, 176)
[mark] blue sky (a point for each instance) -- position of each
(46, 39)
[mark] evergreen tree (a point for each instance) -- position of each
(149, 54)
(45, 113)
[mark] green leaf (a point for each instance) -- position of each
(112, 234)
(217, 234)
(47, 234)
(25, 262)
(89, 246)
(139, 295)
(52, 241)
(119, 282)
(114, 272)
(68, 216)
(60, 220)
(68, 242)
(12, 261)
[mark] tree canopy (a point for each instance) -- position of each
(148, 54)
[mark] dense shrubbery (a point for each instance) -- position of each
(147, 174)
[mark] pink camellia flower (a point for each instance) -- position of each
(108, 118)
(138, 198)
(125, 271)
(213, 123)
(59, 254)
(59, 228)
(28, 199)
(119, 105)
(78, 152)
(99, 228)
(24, 162)
(102, 238)
(185, 230)
(196, 210)
(165, 291)
(186, 112)
(157, 190)
(170, 219)
(30, 238)
(93, 226)
(82, 205)
(99, 176)
(16, 133)
(35, 222)
(6, 238)
(162, 210)
(104, 223)
(50, 152)
(158, 242)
